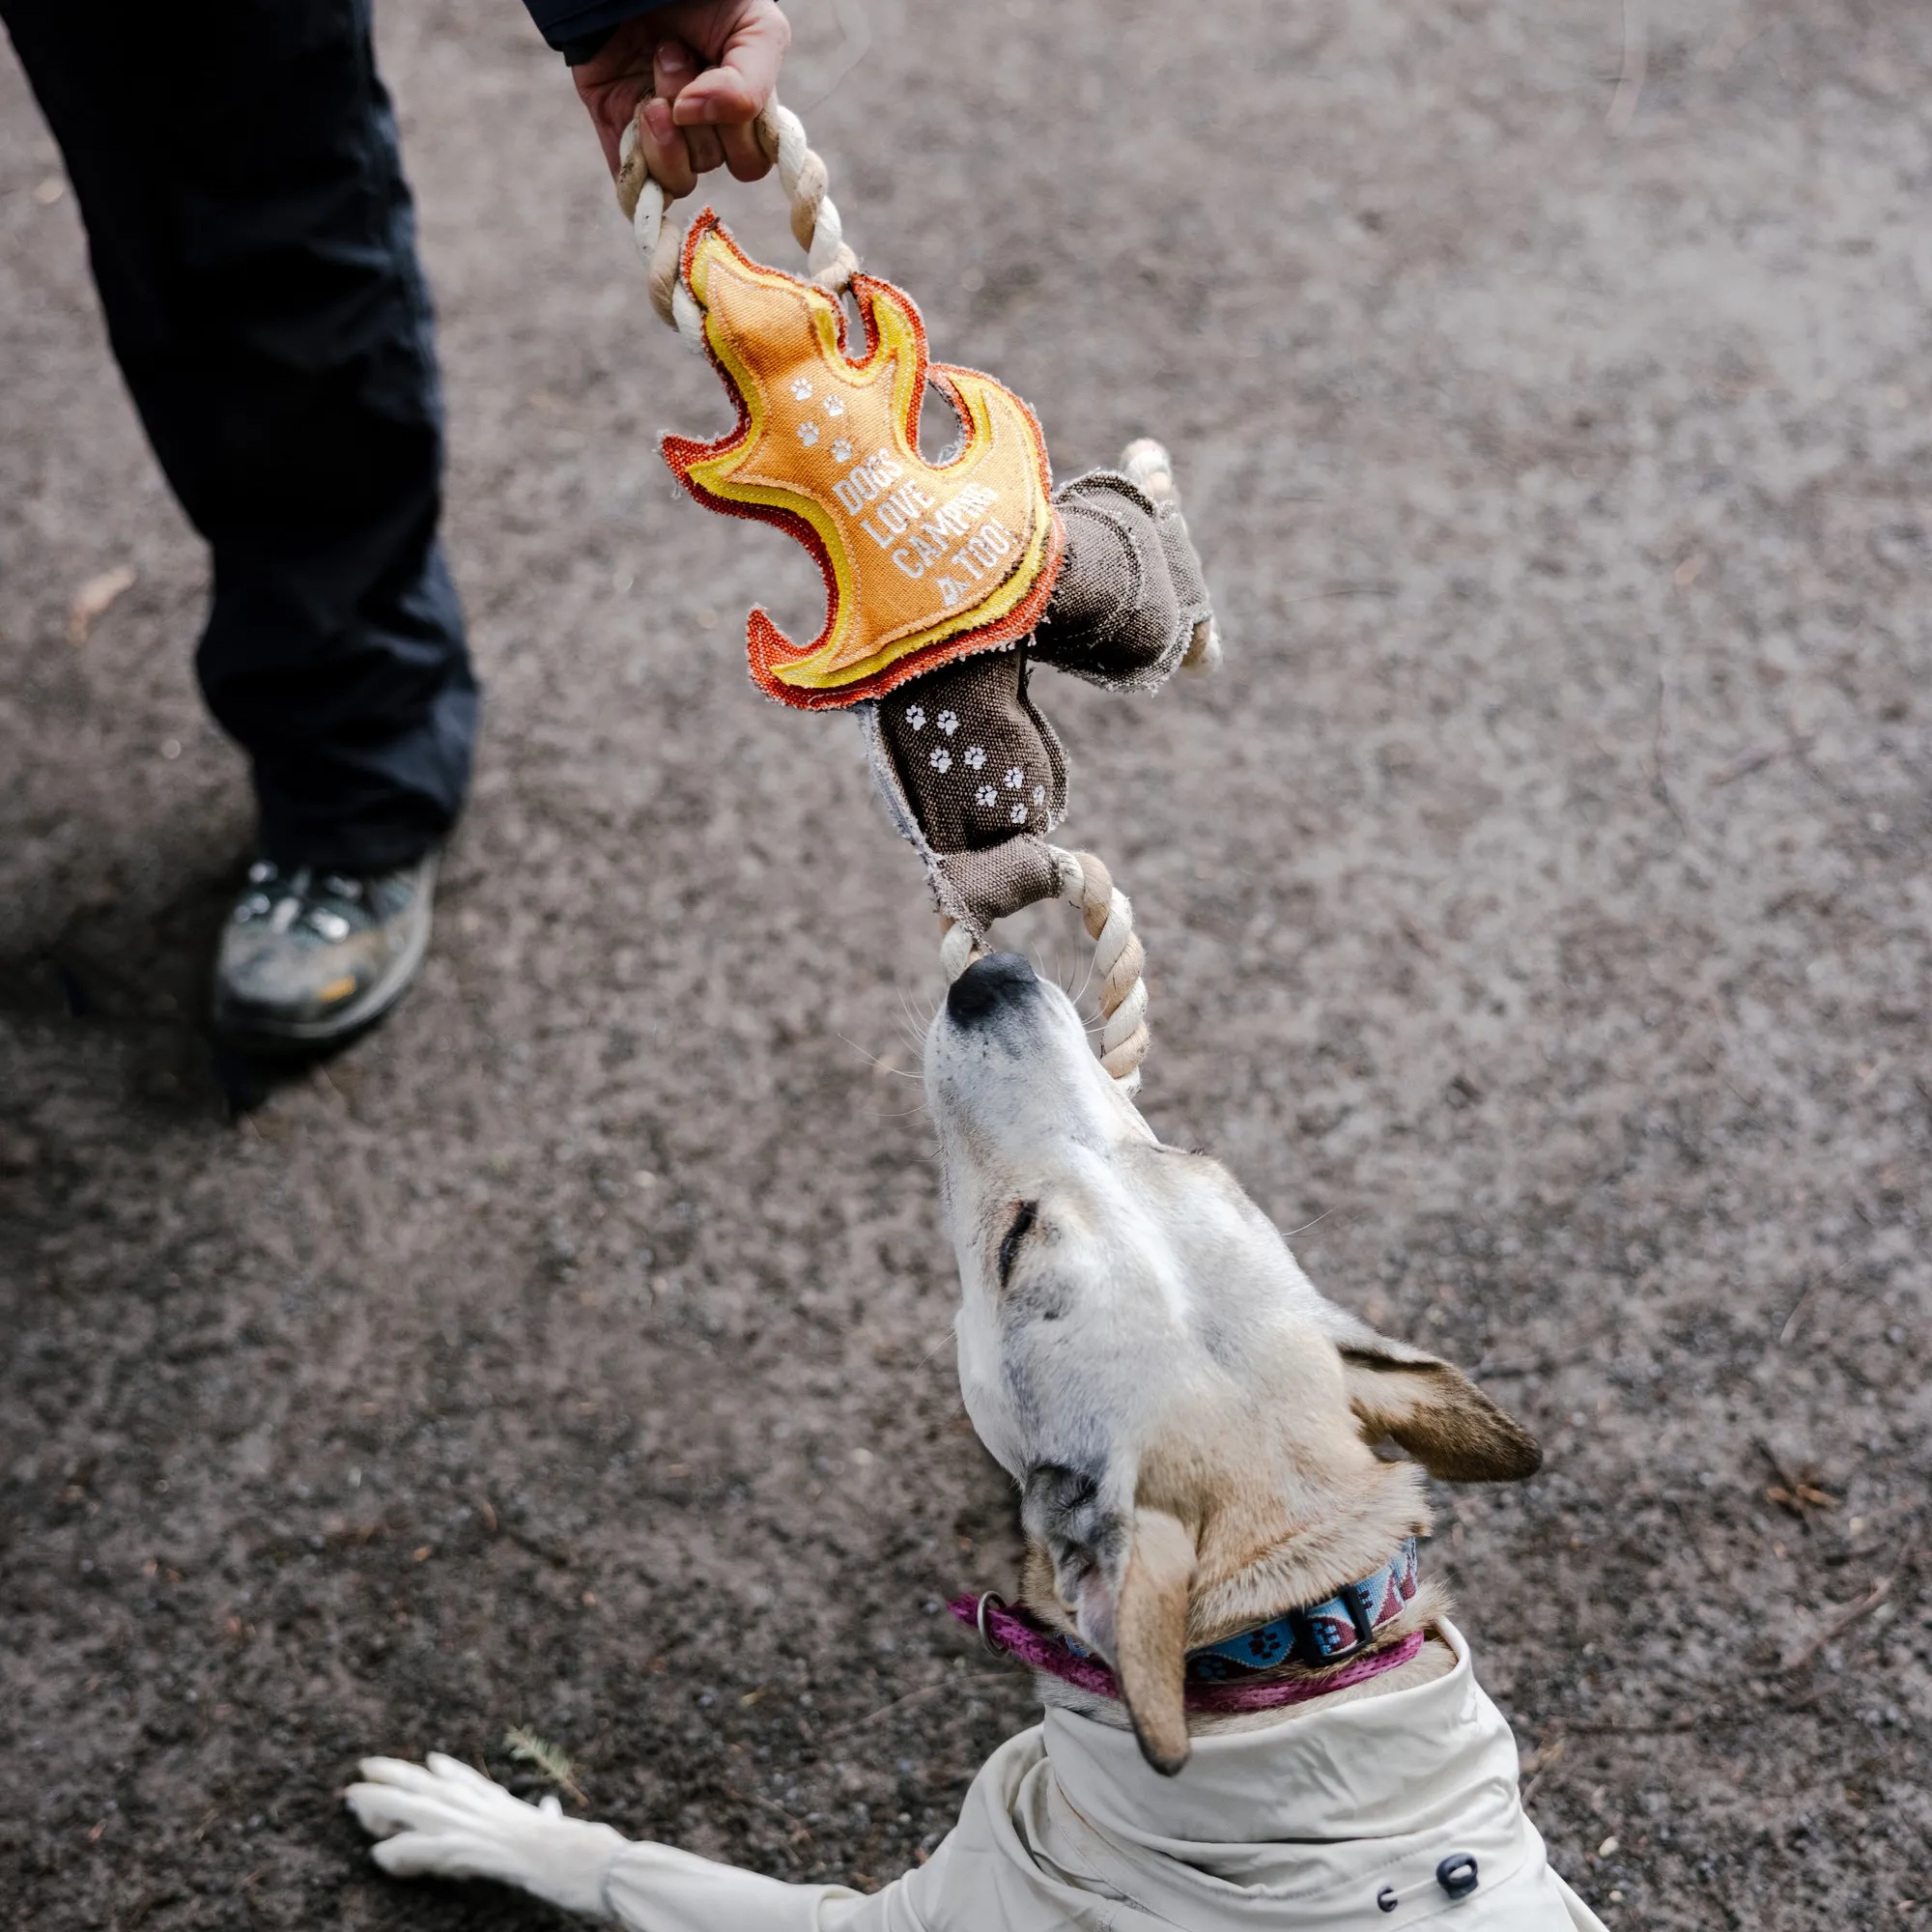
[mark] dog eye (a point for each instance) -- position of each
(1023, 1219)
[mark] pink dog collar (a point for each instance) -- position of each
(1015, 1634)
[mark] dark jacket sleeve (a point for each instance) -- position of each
(582, 25)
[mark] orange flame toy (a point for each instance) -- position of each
(946, 581)
(924, 563)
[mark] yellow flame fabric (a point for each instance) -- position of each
(924, 563)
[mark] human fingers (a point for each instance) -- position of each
(743, 155)
(707, 148)
(666, 154)
(673, 68)
(747, 42)
(674, 72)
(620, 74)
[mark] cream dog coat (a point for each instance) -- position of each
(1297, 1826)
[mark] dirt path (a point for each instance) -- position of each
(1539, 912)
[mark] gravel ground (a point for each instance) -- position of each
(1539, 913)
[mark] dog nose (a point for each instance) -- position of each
(989, 984)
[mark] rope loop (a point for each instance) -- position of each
(1147, 464)
(1119, 961)
(816, 226)
(816, 221)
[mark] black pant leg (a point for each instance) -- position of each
(253, 242)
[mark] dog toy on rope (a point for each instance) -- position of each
(945, 580)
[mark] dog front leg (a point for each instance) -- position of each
(440, 1819)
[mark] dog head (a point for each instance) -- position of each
(1194, 1428)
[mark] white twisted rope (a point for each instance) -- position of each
(1118, 959)
(1147, 463)
(815, 223)
(1083, 881)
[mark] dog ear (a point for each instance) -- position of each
(1151, 1636)
(1434, 1411)
(1123, 1571)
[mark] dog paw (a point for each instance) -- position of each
(441, 1819)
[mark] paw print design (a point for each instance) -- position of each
(841, 451)
(949, 722)
(914, 716)
(985, 795)
(808, 434)
(942, 759)
(833, 407)
(1018, 815)
(801, 387)
(1016, 777)
(976, 757)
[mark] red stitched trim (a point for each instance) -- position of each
(766, 646)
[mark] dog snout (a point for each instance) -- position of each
(997, 981)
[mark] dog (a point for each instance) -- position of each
(1257, 1713)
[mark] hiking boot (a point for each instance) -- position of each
(308, 956)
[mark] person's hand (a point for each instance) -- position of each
(711, 65)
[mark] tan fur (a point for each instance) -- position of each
(1445, 1422)
(1195, 1427)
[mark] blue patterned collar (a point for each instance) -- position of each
(1315, 1634)
(1337, 1628)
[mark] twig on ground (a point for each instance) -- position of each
(1709, 1720)
(1797, 1493)
(562, 1558)
(1805, 1301)
(800, 1829)
(1807, 1496)
(1660, 774)
(1696, 1542)
(1636, 63)
(1836, 1625)
(913, 1698)
(1755, 762)
(1771, 1457)
(1408, 928)
(1348, 588)
(526, 1748)
(94, 599)
(1544, 1758)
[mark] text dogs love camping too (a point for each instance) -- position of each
(926, 542)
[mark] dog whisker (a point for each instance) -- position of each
(945, 1341)
(870, 1058)
(1289, 1234)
